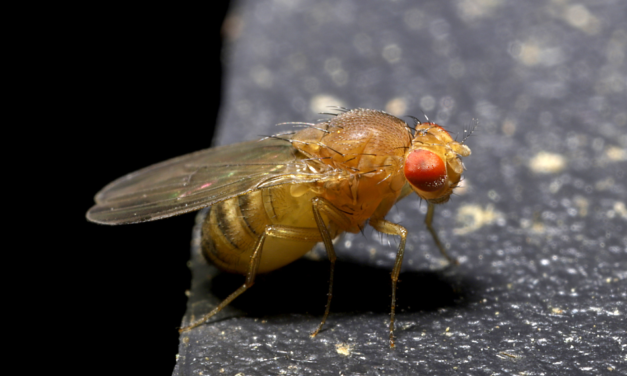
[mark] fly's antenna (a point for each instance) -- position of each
(469, 130)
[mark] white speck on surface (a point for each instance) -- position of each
(323, 102)
(616, 154)
(620, 209)
(547, 163)
(471, 10)
(582, 204)
(579, 17)
(396, 106)
(473, 217)
(344, 349)
(509, 127)
(532, 53)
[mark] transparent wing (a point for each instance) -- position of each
(201, 179)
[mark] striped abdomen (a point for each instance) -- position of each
(233, 227)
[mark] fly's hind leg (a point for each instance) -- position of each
(321, 205)
(390, 228)
(434, 234)
(275, 231)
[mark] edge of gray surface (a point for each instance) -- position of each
(541, 288)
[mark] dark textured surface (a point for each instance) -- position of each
(539, 227)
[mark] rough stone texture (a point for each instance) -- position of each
(539, 227)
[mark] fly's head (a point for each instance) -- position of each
(433, 163)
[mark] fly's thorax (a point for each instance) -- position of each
(358, 141)
(366, 150)
(433, 165)
(361, 196)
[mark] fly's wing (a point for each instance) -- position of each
(200, 179)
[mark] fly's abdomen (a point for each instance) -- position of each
(231, 231)
(233, 228)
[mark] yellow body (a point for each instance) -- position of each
(232, 229)
(272, 200)
(366, 148)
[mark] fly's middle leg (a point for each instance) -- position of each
(434, 234)
(275, 231)
(321, 205)
(390, 228)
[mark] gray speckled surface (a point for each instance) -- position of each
(539, 227)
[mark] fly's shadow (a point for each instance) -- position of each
(301, 287)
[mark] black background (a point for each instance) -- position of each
(148, 89)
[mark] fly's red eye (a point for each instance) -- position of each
(425, 170)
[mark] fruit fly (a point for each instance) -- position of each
(272, 200)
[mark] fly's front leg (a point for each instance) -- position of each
(321, 205)
(434, 234)
(275, 231)
(390, 228)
